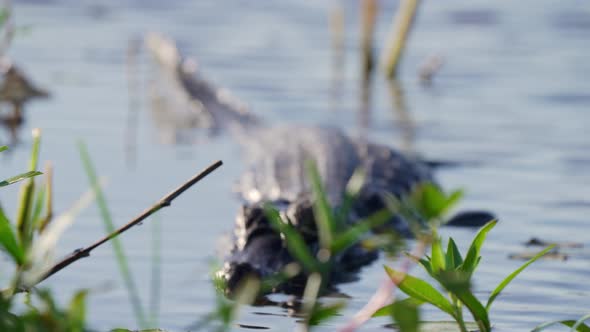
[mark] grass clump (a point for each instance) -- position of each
(29, 242)
(454, 273)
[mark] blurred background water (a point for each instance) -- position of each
(510, 105)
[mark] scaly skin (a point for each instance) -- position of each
(276, 174)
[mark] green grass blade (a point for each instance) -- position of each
(354, 233)
(295, 242)
(39, 203)
(513, 275)
(9, 241)
(117, 246)
(19, 177)
(472, 257)
(420, 290)
(324, 216)
(77, 312)
(569, 323)
(23, 221)
(580, 326)
(34, 161)
(454, 258)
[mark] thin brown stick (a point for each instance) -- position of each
(163, 202)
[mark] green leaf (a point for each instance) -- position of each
(323, 213)
(407, 316)
(19, 177)
(388, 309)
(295, 242)
(513, 275)
(8, 239)
(322, 313)
(433, 201)
(38, 204)
(420, 290)
(437, 260)
(121, 259)
(472, 258)
(4, 16)
(3, 148)
(354, 233)
(77, 311)
(424, 262)
(452, 200)
(453, 258)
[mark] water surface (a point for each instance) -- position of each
(511, 103)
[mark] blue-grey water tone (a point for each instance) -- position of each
(510, 104)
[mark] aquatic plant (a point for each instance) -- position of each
(424, 208)
(400, 29)
(454, 273)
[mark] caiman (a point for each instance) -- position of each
(276, 175)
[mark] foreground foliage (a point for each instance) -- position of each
(29, 242)
(454, 273)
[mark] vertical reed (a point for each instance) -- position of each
(400, 29)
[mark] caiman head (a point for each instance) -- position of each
(260, 251)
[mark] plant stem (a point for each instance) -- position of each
(163, 202)
(458, 313)
(400, 29)
(23, 222)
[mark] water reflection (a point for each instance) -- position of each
(337, 36)
(16, 90)
(402, 116)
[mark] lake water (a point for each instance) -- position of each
(510, 105)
